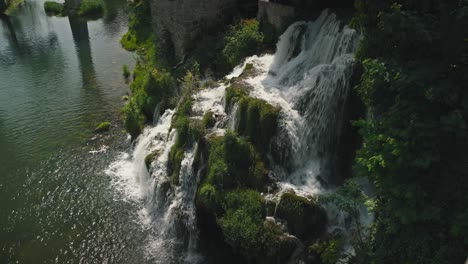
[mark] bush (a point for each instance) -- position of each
(133, 119)
(139, 28)
(91, 8)
(242, 40)
(242, 224)
(54, 8)
(103, 127)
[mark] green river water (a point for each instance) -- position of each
(59, 77)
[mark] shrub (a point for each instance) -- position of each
(133, 118)
(54, 8)
(91, 8)
(103, 127)
(242, 40)
(139, 28)
(242, 224)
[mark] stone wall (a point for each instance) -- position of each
(177, 23)
(276, 14)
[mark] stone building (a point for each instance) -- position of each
(177, 23)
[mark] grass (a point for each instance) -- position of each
(54, 8)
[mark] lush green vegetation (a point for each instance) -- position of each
(91, 8)
(415, 139)
(139, 28)
(242, 40)
(256, 118)
(103, 127)
(54, 8)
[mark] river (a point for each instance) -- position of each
(59, 78)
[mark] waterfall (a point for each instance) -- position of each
(168, 215)
(308, 78)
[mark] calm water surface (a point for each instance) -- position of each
(59, 77)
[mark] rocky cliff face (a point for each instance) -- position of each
(177, 23)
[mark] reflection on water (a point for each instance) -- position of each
(60, 76)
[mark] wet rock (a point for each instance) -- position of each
(305, 218)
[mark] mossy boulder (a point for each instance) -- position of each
(234, 163)
(279, 246)
(208, 120)
(242, 223)
(305, 218)
(256, 119)
(150, 157)
(102, 127)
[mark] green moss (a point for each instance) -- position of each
(209, 197)
(233, 162)
(305, 218)
(150, 157)
(91, 8)
(242, 40)
(176, 155)
(208, 120)
(242, 223)
(256, 119)
(103, 127)
(54, 8)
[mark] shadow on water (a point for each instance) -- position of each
(79, 28)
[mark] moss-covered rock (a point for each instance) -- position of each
(278, 245)
(242, 223)
(150, 157)
(256, 119)
(305, 218)
(102, 127)
(234, 163)
(208, 120)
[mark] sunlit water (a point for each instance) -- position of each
(59, 77)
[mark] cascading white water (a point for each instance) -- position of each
(167, 214)
(308, 78)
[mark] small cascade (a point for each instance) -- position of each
(168, 214)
